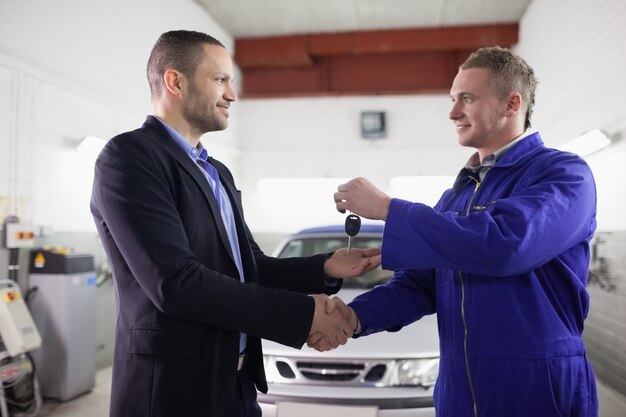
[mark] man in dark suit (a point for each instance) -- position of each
(194, 292)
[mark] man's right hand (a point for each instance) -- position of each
(333, 323)
(362, 197)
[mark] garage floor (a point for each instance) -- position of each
(96, 402)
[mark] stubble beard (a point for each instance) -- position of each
(202, 122)
(196, 112)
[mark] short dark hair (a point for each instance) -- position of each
(178, 49)
(511, 74)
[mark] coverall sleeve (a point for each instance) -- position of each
(551, 210)
(406, 298)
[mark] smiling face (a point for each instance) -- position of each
(209, 92)
(482, 120)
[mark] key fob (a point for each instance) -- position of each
(353, 224)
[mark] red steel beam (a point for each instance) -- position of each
(393, 61)
(413, 40)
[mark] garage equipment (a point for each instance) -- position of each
(19, 335)
(62, 301)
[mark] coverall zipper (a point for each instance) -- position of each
(467, 369)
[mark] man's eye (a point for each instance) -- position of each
(467, 99)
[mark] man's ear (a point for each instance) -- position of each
(514, 104)
(174, 82)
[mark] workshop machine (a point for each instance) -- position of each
(19, 389)
(62, 287)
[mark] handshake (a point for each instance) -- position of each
(333, 323)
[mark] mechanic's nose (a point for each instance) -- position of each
(455, 112)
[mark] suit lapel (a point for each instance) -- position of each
(247, 258)
(194, 171)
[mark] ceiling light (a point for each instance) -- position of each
(586, 144)
(91, 145)
(309, 185)
(425, 189)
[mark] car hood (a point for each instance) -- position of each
(419, 339)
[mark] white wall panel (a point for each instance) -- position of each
(578, 51)
(579, 60)
(333, 123)
(102, 46)
(80, 70)
(6, 119)
(320, 138)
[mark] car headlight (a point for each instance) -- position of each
(278, 369)
(271, 373)
(415, 372)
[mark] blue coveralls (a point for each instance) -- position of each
(504, 265)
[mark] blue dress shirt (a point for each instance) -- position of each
(199, 156)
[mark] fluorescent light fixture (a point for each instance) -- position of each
(288, 204)
(426, 189)
(586, 144)
(91, 145)
(308, 185)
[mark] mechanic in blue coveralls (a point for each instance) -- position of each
(502, 258)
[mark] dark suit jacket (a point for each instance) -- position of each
(180, 304)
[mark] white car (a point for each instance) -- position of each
(380, 375)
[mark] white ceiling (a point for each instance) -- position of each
(259, 18)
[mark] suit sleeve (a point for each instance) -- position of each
(135, 208)
(301, 274)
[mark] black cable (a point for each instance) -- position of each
(32, 362)
(13, 264)
(29, 293)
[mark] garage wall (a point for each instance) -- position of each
(321, 138)
(605, 333)
(69, 68)
(574, 47)
(580, 65)
(72, 68)
(571, 47)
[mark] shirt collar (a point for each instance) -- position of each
(193, 153)
(474, 163)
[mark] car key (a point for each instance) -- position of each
(353, 225)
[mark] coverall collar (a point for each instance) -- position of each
(506, 156)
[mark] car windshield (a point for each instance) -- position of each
(315, 245)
